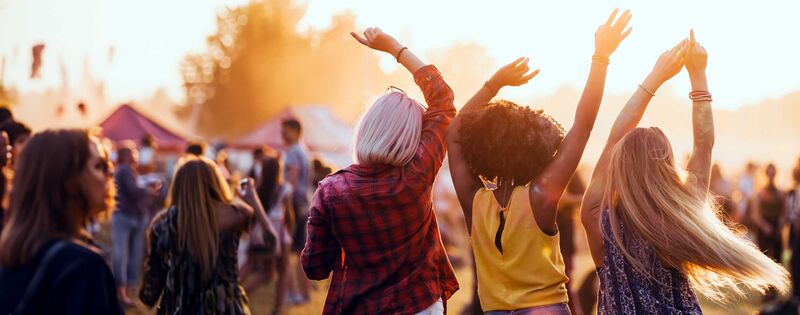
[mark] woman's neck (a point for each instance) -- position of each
(505, 189)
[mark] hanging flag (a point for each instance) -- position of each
(82, 109)
(37, 61)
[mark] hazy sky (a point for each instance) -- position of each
(753, 46)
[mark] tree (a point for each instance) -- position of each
(258, 64)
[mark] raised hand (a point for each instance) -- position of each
(376, 39)
(696, 57)
(247, 191)
(512, 74)
(669, 64)
(609, 35)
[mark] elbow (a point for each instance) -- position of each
(706, 142)
(590, 215)
(314, 271)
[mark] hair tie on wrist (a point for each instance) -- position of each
(488, 86)
(400, 53)
(653, 94)
(600, 59)
(700, 96)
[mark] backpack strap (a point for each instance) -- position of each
(38, 276)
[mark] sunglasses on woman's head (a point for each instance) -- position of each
(393, 88)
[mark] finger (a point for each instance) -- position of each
(359, 38)
(679, 48)
(523, 69)
(612, 16)
(691, 35)
(627, 32)
(623, 20)
(530, 76)
(523, 64)
(516, 62)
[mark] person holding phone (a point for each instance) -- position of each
(192, 262)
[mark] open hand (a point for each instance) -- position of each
(609, 35)
(376, 39)
(696, 57)
(513, 74)
(670, 62)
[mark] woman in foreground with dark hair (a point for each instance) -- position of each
(48, 262)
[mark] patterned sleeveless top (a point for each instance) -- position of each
(623, 290)
(172, 275)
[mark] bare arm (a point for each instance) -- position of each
(251, 198)
(702, 117)
(513, 74)
(376, 39)
(546, 190)
(667, 66)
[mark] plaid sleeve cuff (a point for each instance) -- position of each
(426, 74)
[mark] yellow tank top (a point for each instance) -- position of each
(530, 271)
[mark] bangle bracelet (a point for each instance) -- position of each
(400, 53)
(600, 59)
(488, 86)
(647, 91)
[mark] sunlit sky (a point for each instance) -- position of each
(753, 46)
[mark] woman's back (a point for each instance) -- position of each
(623, 290)
(529, 271)
(177, 274)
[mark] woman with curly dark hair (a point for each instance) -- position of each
(526, 163)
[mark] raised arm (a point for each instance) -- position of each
(702, 117)
(548, 187)
(249, 195)
(667, 66)
(376, 39)
(512, 74)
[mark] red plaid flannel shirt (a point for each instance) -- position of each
(375, 228)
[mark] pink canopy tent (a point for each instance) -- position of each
(126, 123)
(322, 132)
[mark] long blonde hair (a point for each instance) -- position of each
(646, 192)
(196, 187)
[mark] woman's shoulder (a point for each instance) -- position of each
(74, 258)
(163, 219)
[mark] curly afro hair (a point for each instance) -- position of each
(508, 141)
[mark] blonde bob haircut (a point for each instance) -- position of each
(389, 131)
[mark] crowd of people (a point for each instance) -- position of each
(203, 239)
